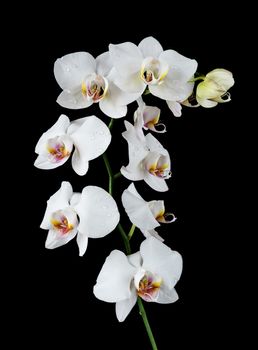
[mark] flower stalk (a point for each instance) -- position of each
(126, 239)
(146, 324)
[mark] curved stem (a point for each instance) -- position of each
(117, 175)
(201, 77)
(125, 239)
(131, 232)
(146, 323)
(110, 174)
(111, 123)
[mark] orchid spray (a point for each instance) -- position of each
(123, 75)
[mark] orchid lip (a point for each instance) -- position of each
(148, 288)
(94, 88)
(56, 150)
(153, 72)
(162, 172)
(60, 223)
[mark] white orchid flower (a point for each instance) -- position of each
(151, 274)
(91, 214)
(148, 160)
(147, 118)
(89, 137)
(86, 80)
(165, 73)
(145, 215)
(214, 87)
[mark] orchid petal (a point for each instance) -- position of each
(114, 279)
(97, 211)
(161, 260)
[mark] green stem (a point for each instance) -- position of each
(125, 239)
(201, 77)
(147, 91)
(146, 323)
(110, 173)
(111, 123)
(117, 175)
(130, 234)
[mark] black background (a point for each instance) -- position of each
(55, 286)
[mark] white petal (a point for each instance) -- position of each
(132, 84)
(124, 307)
(82, 241)
(154, 145)
(118, 96)
(157, 208)
(151, 159)
(150, 47)
(91, 139)
(131, 188)
(223, 78)
(42, 162)
(209, 89)
(58, 201)
(161, 260)
(132, 173)
(138, 277)
(112, 110)
(71, 69)
(135, 137)
(54, 240)
(206, 103)
(137, 152)
(182, 68)
(76, 124)
(126, 57)
(135, 259)
(45, 160)
(73, 100)
(141, 103)
(166, 295)
(80, 165)
(152, 233)
(171, 89)
(155, 182)
(150, 113)
(59, 128)
(138, 210)
(97, 211)
(175, 108)
(75, 199)
(114, 279)
(104, 64)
